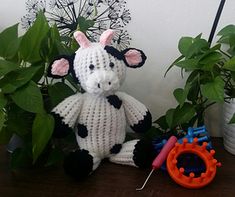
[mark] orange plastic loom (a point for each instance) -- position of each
(191, 181)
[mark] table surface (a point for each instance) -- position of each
(112, 180)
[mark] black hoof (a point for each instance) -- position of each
(144, 153)
(143, 125)
(78, 164)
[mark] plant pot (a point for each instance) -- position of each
(213, 120)
(228, 129)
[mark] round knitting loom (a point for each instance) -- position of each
(178, 173)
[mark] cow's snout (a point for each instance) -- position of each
(101, 81)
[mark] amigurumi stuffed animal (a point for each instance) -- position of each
(99, 116)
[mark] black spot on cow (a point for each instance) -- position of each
(114, 101)
(114, 52)
(82, 130)
(116, 149)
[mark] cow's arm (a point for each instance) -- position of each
(138, 116)
(66, 114)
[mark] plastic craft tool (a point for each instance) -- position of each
(161, 157)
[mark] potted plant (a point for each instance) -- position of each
(27, 95)
(210, 72)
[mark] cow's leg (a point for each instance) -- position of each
(138, 153)
(80, 163)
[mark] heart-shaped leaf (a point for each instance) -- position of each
(42, 130)
(214, 90)
(29, 98)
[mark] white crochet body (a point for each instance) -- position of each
(105, 124)
(101, 70)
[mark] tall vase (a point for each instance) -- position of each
(229, 129)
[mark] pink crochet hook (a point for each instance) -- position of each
(158, 161)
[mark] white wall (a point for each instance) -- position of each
(156, 27)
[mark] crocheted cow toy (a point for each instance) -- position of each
(99, 116)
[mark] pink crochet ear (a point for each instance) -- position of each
(133, 57)
(60, 67)
(106, 37)
(81, 39)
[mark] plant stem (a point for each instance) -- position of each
(216, 20)
(229, 56)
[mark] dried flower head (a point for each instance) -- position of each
(66, 13)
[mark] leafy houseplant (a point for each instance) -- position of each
(27, 95)
(210, 72)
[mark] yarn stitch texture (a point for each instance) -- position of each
(102, 111)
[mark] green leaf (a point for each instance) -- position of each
(29, 98)
(84, 24)
(233, 75)
(232, 41)
(214, 90)
(184, 45)
(193, 92)
(229, 29)
(72, 82)
(17, 78)
(3, 100)
(9, 42)
(2, 119)
(54, 33)
(40, 73)
(162, 122)
(216, 47)
(6, 67)
(30, 47)
(19, 121)
(193, 77)
(181, 94)
(43, 127)
(180, 115)
(183, 114)
(55, 156)
(5, 135)
(228, 37)
(58, 92)
(199, 46)
(170, 117)
(63, 49)
(211, 57)
(232, 120)
(49, 48)
(20, 158)
(189, 64)
(17, 158)
(230, 64)
(177, 60)
(153, 133)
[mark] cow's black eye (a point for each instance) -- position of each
(91, 67)
(111, 64)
